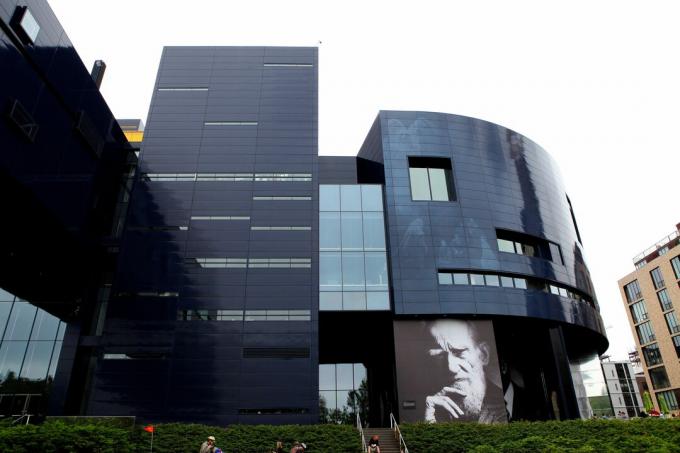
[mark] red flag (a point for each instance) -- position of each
(148, 428)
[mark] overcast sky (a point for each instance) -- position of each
(596, 83)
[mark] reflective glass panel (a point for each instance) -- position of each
(352, 235)
(476, 279)
(445, 278)
(5, 296)
(329, 197)
(378, 301)
(520, 283)
(55, 358)
(20, 321)
(376, 271)
(343, 399)
(354, 300)
(11, 356)
(492, 280)
(45, 327)
(438, 185)
(350, 198)
(5, 308)
(420, 187)
(329, 231)
(327, 376)
(327, 399)
(506, 246)
(506, 282)
(345, 376)
(353, 271)
(330, 271)
(374, 231)
(359, 374)
(371, 198)
(330, 301)
(460, 279)
(37, 360)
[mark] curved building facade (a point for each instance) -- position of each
(483, 243)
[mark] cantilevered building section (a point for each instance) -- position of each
(651, 294)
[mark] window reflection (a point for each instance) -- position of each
(343, 392)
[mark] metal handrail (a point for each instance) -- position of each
(397, 433)
(361, 433)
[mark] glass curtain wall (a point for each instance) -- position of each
(30, 343)
(352, 252)
(342, 392)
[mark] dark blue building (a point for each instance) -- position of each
(238, 277)
(63, 162)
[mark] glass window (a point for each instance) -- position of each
(639, 312)
(353, 271)
(329, 197)
(359, 374)
(555, 253)
(376, 271)
(460, 279)
(659, 378)
(20, 321)
(669, 398)
(350, 198)
(652, 354)
(445, 278)
(343, 400)
(374, 231)
(645, 333)
(672, 322)
(371, 197)
(420, 187)
(29, 25)
(329, 231)
(378, 301)
(676, 343)
(327, 399)
(11, 356)
(675, 262)
(5, 308)
(45, 327)
(352, 234)
(657, 278)
(330, 301)
(506, 282)
(55, 358)
(37, 360)
(345, 376)
(476, 279)
(554, 290)
(438, 185)
(520, 283)
(492, 280)
(327, 377)
(506, 246)
(330, 271)
(5, 296)
(563, 292)
(354, 301)
(664, 300)
(632, 291)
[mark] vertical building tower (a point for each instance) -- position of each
(214, 315)
(623, 390)
(651, 294)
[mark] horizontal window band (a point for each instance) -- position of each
(280, 228)
(230, 123)
(233, 177)
(184, 89)
(135, 356)
(159, 228)
(274, 411)
(239, 315)
(281, 198)
(251, 263)
(275, 353)
(219, 217)
(505, 280)
(288, 65)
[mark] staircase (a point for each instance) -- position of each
(388, 443)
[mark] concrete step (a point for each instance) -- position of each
(388, 443)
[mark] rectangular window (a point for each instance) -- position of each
(652, 354)
(632, 291)
(676, 343)
(675, 262)
(639, 312)
(659, 378)
(657, 278)
(445, 278)
(431, 179)
(460, 279)
(664, 300)
(669, 398)
(672, 322)
(645, 333)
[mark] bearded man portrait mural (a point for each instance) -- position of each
(449, 371)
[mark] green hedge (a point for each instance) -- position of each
(58, 436)
(643, 435)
